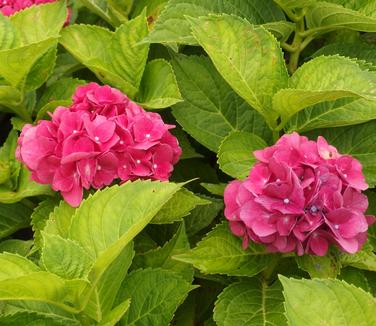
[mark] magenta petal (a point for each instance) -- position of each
(74, 196)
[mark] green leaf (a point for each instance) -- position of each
(50, 18)
(158, 88)
(357, 50)
(111, 214)
(33, 319)
(281, 29)
(291, 4)
(114, 316)
(211, 109)
(364, 259)
(322, 267)
(15, 246)
(7, 33)
(327, 302)
(112, 11)
(64, 257)
(328, 16)
(178, 206)
(110, 282)
(235, 153)
(10, 98)
(119, 59)
(13, 266)
(250, 302)
(26, 188)
(356, 277)
(60, 219)
(40, 216)
(325, 78)
(12, 71)
(203, 216)
(248, 57)
(155, 295)
(41, 287)
(41, 70)
(358, 141)
(187, 149)
(172, 25)
(13, 217)
(59, 92)
(162, 256)
(8, 163)
(220, 252)
(215, 189)
(337, 113)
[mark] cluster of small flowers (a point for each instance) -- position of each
(301, 196)
(10, 7)
(102, 136)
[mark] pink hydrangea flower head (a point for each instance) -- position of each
(101, 137)
(301, 196)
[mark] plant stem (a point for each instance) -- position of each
(297, 46)
(267, 273)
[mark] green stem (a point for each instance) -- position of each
(297, 46)
(268, 273)
(275, 135)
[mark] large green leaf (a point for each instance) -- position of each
(211, 109)
(42, 287)
(337, 113)
(328, 16)
(13, 217)
(15, 246)
(50, 18)
(60, 219)
(248, 57)
(7, 33)
(119, 59)
(327, 302)
(326, 78)
(179, 206)
(172, 25)
(113, 12)
(65, 257)
(15, 266)
(162, 256)
(155, 295)
(114, 316)
(359, 141)
(158, 88)
(250, 302)
(35, 319)
(235, 154)
(220, 252)
(293, 4)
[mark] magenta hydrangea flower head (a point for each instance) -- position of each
(302, 196)
(10, 7)
(101, 137)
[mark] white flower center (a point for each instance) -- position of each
(99, 168)
(138, 161)
(345, 175)
(336, 226)
(96, 138)
(147, 135)
(124, 166)
(155, 166)
(75, 131)
(121, 142)
(286, 200)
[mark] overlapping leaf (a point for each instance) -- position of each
(249, 59)
(172, 25)
(250, 302)
(327, 302)
(211, 109)
(220, 252)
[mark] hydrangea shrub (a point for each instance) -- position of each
(187, 162)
